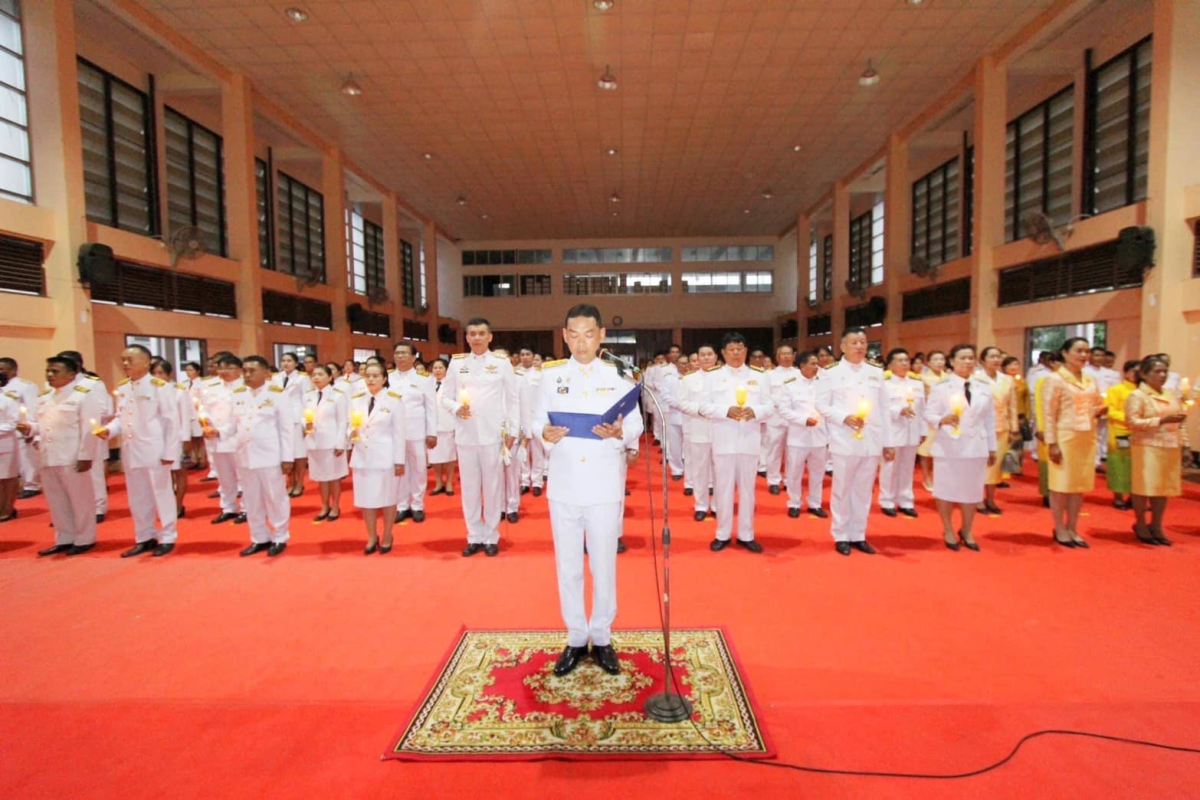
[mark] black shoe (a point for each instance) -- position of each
(370, 549)
(418, 516)
(762, 473)
(163, 549)
(208, 479)
(99, 518)
(992, 508)
(53, 551)
(1003, 485)
(255, 547)
(240, 519)
(843, 548)
(818, 512)
(1164, 541)
(384, 549)
(1045, 502)
(276, 549)
(606, 657)
(212, 495)
(569, 659)
(717, 545)
(79, 549)
(28, 493)
(471, 549)
(524, 490)
(512, 517)
(182, 513)
(401, 516)
(688, 491)
(537, 491)
(863, 547)
(678, 477)
(909, 512)
(139, 548)
(438, 491)
(627, 493)
(9, 516)
(888, 512)
(1080, 543)
(794, 513)
(773, 489)
(712, 512)
(969, 545)
(657, 443)
(700, 515)
(951, 545)
(491, 550)
(621, 546)
(752, 546)
(710, 491)
(1067, 543)
(322, 516)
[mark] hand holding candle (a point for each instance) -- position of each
(356, 421)
(958, 404)
(860, 413)
(1185, 392)
(310, 414)
(740, 395)
(464, 404)
(24, 414)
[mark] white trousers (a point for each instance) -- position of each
(151, 495)
(853, 480)
(812, 458)
(227, 480)
(512, 484)
(1101, 441)
(773, 448)
(100, 477)
(657, 424)
(72, 505)
(268, 507)
(734, 471)
(698, 472)
(410, 487)
(675, 454)
(211, 455)
(28, 465)
(896, 478)
(600, 527)
(482, 491)
(532, 451)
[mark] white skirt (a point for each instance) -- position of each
(445, 452)
(374, 488)
(299, 443)
(959, 480)
(323, 465)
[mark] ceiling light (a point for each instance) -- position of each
(796, 148)
(767, 194)
(462, 201)
(351, 88)
(484, 216)
(296, 14)
(913, 2)
(612, 151)
(869, 77)
(427, 156)
(616, 214)
(614, 198)
(745, 211)
(608, 81)
(603, 5)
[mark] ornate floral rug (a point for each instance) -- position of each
(496, 697)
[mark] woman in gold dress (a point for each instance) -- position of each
(1159, 444)
(1073, 404)
(933, 374)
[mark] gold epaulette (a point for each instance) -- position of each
(912, 377)
(556, 363)
(158, 382)
(830, 366)
(887, 373)
(83, 389)
(356, 396)
(394, 394)
(423, 373)
(213, 382)
(239, 389)
(15, 395)
(497, 355)
(715, 367)
(789, 380)
(44, 392)
(123, 382)
(91, 377)
(180, 386)
(458, 355)
(519, 371)
(336, 389)
(756, 369)
(274, 388)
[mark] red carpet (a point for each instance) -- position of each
(204, 674)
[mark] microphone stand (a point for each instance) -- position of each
(667, 705)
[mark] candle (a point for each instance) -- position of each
(356, 421)
(864, 408)
(24, 414)
(908, 396)
(95, 427)
(310, 414)
(1185, 391)
(958, 404)
(464, 397)
(741, 394)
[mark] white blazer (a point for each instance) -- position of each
(692, 391)
(905, 431)
(331, 417)
(382, 433)
(731, 436)
(797, 398)
(977, 423)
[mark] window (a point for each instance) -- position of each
(407, 293)
(177, 351)
(1118, 130)
(301, 228)
(484, 258)
(745, 252)
(1038, 164)
(969, 203)
(1086, 270)
(166, 290)
(860, 249)
(952, 297)
(535, 284)
(819, 325)
(1051, 337)
(301, 312)
(300, 350)
(421, 278)
(364, 254)
(616, 255)
(117, 152)
(617, 283)
(16, 173)
(812, 271)
(877, 244)
(417, 331)
(368, 323)
(361, 355)
(22, 269)
(760, 282)
(827, 268)
(195, 182)
(262, 196)
(489, 286)
(935, 214)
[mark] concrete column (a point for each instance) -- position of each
(429, 240)
(803, 242)
(897, 234)
(333, 187)
(841, 259)
(241, 202)
(991, 120)
(391, 262)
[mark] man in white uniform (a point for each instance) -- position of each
(295, 385)
(509, 461)
(851, 398)
(28, 390)
(481, 391)
(775, 429)
(532, 454)
(147, 420)
(737, 400)
(260, 428)
(905, 409)
(807, 436)
(1105, 379)
(62, 433)
(586, 491)
(697, 433)
(218, 409)
(100, 462)
(417, 392)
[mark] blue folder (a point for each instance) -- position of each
(580, 425)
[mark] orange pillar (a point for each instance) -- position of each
(241, 200)
(333, 186)
(991, 121)
(841, 259)
(897, 235)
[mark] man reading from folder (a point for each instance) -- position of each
(586, 489)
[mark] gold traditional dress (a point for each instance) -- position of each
(1004, 401)
(1070, 416)
(930, 379)
(1157, 447)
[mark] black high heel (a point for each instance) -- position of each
(1158, 536)
(371, 548)
(1147, 539)
(333, 517)
(384, 549)
(1067, 543)
(322, 516)
(1080, 543)
(969, 545)
(950, 545)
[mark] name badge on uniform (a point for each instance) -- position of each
(465, 370)
(490, 368)
(564, 389)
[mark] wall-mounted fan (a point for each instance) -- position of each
(919, 265)
(187, 243)
(306, 279)
(855, 290)
(377, 294)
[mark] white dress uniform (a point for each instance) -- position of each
(650, 379)
(10, 414)
(495, 403)
(855, 461)
(736, 443)
(697, 437)
(193, 387)
(331, 416)
(183, 402)
(295, 385)
(201, 389)
(807, 445)
(61, 430)
(1105, 379)
(962, 462)
(28, 391)
(896, 476)
(382, 444)
(668, 390)
(259, 427)
(218, 405)
(418, 392)
(100, 456)
(147, 420)
(445, 451)
(775, 430)
(533, 457)
(586, 493)
(350, 385)
(512, 467)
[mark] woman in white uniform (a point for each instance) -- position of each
(325, 418)
(962, 417)
(377, 436)
(194, 438)
(164, 371)
(906, 405)
(10, 462)
(443, 457)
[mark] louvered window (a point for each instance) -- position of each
(827, 269)
(812, 270)
(419, 331)
(1118, 130)
(953, 297)
(21, 265)
(968, 225)
(1038, 162)
(301, 239)
(819, 325)
(1087, 270)
(407, 287)
(16, 173)
(364, 253)
(195, 180)
(300, 312)
(262, 199)
(860, 249)
(167, 290)
(935, 214)
(369, 323)
(117, 125)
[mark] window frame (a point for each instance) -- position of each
(1090, 124)
(23, 93)
(1014, 125)
(308, 193)
(191, 125)
(827, 268)
(950, 245)
(408, 293)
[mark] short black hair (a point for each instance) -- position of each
(1110, 353)
(733, 337)
(295, 357)
(1149, 361)
(194, 365)
(673, 345)
(9, 362)
(323, 367)
(1009, 360)
(523, 347)
(74, 355)
(958, 347)
(141, 349)
(703, 345)
(63, 361)
(804, 355)
(984, 352)
(256, 360)
(441, 361)
(217, 356)
(1098, 347)
(584, 310)
(853, 329)
(412, 348)
(919, 354)
(895, 351)
(1132, 363)
(479, 321)
(1070, 343)
(230, 360)
(166, 366)
(825, 348)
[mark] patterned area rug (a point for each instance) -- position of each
(496, 698)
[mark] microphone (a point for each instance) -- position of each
(621, 364)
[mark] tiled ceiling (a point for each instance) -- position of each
(713, 96)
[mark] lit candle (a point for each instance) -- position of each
(958, 404)
(909, 397)
(1185, 391)
(310, 414)
(95, 427)
(864, 408)
(356, 421)
(24, 414)
(464, 397)
(741, 394)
